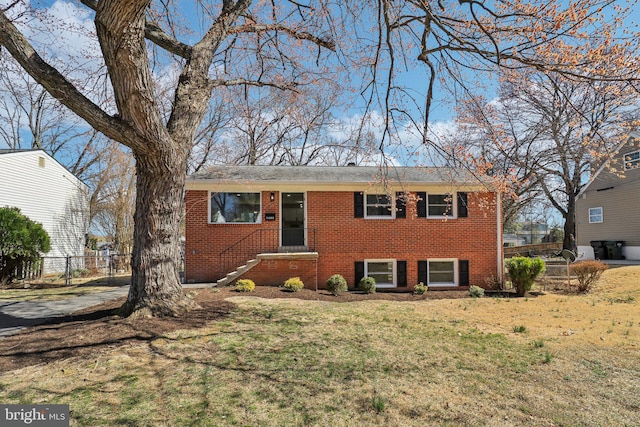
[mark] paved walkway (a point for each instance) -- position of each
(15, 316)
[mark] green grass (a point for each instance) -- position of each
(274, 363)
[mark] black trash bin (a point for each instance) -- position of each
(600, 249)
(614, 249)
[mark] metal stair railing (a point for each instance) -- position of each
(264, 240)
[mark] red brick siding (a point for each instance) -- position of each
(275, 272)
(342, 239)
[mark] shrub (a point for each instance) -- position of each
(293, 284)
(420, 289)
(336, 284)
(22, 241)
(367, 285)
(494, 283)
(245, 285)
(476, 291)
(523, 272)
(588, 273)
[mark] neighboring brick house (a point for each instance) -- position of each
(269, 223)
(608, 207)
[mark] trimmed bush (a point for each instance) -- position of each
(476, 291)
(245, 285)
(420, 289)
(336, 284)
(367, 285)
(293, 284)
(523, 272)
(22, 241)
(588, 273)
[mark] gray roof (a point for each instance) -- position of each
(16, 150)
(336, 174)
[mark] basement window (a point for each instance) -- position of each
(382, 270)
(442, 272)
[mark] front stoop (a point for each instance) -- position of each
(265, 257)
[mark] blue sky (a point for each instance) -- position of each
(76, 43)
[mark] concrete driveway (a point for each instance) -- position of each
(15, 316)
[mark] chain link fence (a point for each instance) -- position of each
(72, 270)
(76, 269)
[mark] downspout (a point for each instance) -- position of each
(499, 248)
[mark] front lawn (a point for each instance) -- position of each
(544, 360)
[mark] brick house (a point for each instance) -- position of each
(406, 225)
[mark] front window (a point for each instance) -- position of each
(382, 270)
(595, 215)
(442, 272)
(632, 160)
(379, 206)
(440, 205)
(235, 207)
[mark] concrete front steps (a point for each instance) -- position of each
(239, 272)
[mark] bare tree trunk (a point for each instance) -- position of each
(569, 241)
(155, 284)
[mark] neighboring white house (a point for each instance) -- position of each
(47, 193)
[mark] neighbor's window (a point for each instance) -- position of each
(595, 215)
(382, 270)
(632, 160)
(442, 272)
(379, 205)
(235, 207)
(440, 205)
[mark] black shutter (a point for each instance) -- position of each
(401, 272)
(463, 212)
(358, 205)
(401, 205)
(463, 267)
(422, 272)
(359, 272)
(422, 205)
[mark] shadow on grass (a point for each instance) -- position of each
(92, 331)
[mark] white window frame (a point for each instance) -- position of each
(453, 213)
(394, 272)
(456, 279)
(629, 163)
(392, 207)
(213, 193)
(593, 216)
